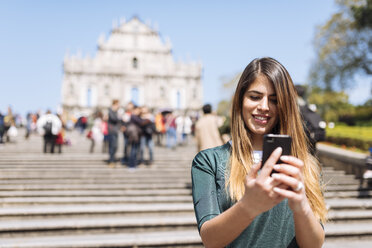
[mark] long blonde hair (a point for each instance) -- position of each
(290, 122)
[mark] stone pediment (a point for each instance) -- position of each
(134, 26)
(134, 35)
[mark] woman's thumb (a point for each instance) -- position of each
(254, 169)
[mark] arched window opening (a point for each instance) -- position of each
(89, 97)
(135, 96)
(178, 100)
(107, 90)
(162, 92)
(135, 63)
(194, 93)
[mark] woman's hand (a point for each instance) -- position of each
(290, 174)
(259, 195)
(309, 232)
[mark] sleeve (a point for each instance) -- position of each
(204, 189)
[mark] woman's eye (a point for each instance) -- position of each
(274, 100)
(255, 98)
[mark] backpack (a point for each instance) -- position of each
(133, 132)
(48, 128)
(149, 129)
(312, 125)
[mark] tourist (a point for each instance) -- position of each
(134, 132)
(60, 139)
(206, 130)
(113, 130)
(124, 123)
(170, 127)
(104, 130)
(49, 126)
(160, 128)
(95, 133)
(183, 123)
(148, 129)
(237, 205)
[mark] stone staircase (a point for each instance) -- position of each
(350, 211)
(74, 200)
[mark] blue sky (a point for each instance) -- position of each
(224, 35)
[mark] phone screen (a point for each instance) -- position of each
(272, 141)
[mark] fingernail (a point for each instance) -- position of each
(278, 149)
(276, 167)
(275, 189)
(275, 175)
(284, 157)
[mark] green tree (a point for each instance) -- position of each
(331, 105)
(229, 84)
(343, 46)
(223, 108)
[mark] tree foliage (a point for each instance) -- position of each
(229, 84)
(330, 104)
(334, 106)
(343, 46)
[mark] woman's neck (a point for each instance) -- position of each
(257, 142)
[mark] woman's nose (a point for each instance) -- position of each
(264, 104)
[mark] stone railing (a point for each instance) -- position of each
(341, 159)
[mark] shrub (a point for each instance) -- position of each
(350, 142)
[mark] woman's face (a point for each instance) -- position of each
(260, 107)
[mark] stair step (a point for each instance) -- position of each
(94, 209)
(349, 194)
(45, 224)
(335, 204)
(348, 242)
(131, 192)
(114, 181)
(149, 239)
(350, 215)
(348, 229)
(123, 186)
(86, 200)
(331, 188)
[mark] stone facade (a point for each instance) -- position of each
(133, 64)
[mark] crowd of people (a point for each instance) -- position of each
(138, 127)
(49, 125)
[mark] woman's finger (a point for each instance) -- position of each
(290, 194)
(289, 170)
(287, 180)
(292, 161)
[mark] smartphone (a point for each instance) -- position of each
(271, 142)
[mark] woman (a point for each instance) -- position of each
(236, 205)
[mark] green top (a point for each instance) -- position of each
(274, 228)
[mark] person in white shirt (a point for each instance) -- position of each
(49, 126)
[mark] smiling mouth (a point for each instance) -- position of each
(261, 119)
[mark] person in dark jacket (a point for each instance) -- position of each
(2, 128)
(148, 129)
(113, 131)
(134, 133)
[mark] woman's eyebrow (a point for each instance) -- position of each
(258, 92)
(255, 91)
